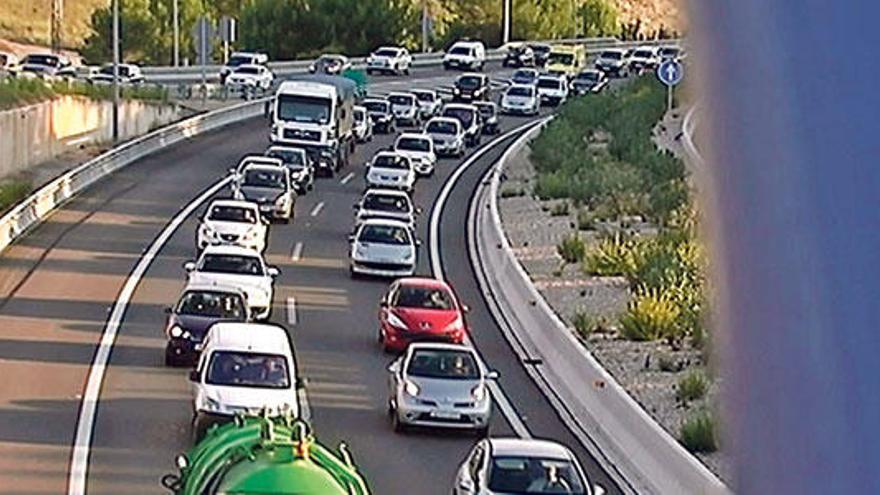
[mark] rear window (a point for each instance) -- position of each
(643, 54)
(264, 178)
(289, 157)
(425, 96)
(460, 50)
(386, 52)
(464, 115)
(384, 234)
(470, 82)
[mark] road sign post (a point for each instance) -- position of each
(228, 33)
(203, 34)
(670, 73)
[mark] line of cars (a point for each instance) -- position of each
(51, 66)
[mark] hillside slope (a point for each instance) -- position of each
(653, 15)
(30, 20)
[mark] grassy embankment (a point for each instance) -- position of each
(15, 92)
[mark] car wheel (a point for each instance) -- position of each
(171, 359)
(396, 424)
(445, 66)
(406, 71)
(200, 428)
(369, 72)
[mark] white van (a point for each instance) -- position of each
(465, 55)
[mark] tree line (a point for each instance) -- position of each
(288, 29)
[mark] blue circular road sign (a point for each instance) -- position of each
(670, 72)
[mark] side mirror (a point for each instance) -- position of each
(465, 308)
(351, 238)
(181, 461)
(493, 375)
(301, 382)
(194, 376)
(466, 484)
(168, 310)
(394, 367)
(418, 243)
(419, 210)
(356, 206)
(189, 266)
(273, 271)
(383, 303)
(598, 490)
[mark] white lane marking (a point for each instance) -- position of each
(317, 209)
(291, 310)
(507, 409)
(79, 462)
(347, 178)
(296, 254)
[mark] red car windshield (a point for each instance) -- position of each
(423, 298)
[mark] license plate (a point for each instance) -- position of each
(445, 415)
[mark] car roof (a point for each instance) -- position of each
(213, 287)
(389, 47)
(401, 93)
(472, 74)
(384, 153)
(423, 282)
(374, 99)
(231, 250)
(521, 86)
(253, 337)
(445, 120)
(439, 346)
(465, 106)
(250, 66)
(264, 166)
(528, 447)
(386, 192)
(233, 203)
(423, 91)
(255, 158)
(281, 147)
(386, 222)
(413, 135)
(614, 50)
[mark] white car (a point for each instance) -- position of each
(363, 124)
(440, 385)
(465, 55)
(520, 99)
(42, 65)
(268, 185)
(406, 109)
(500, 466)
(238, 267)
(448, 136)
(332, 64)
(645, 58)
(249, 77)
(419, 148)
(391, 170)
(614, 62)
(234, 223)
(390, 59)
(242, 58)
(552, 89)
(244, 368)
(383, 248)
(429, 102)
(470, 118)
(302, 171)
(128, 74)
(8, 62)
(390, 204)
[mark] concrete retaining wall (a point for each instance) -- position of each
(36, 133)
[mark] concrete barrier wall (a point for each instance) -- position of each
(36, 133)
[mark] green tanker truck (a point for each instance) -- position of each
(267, 456)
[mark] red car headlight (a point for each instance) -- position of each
(396, 322)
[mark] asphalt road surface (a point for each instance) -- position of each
(58, 284)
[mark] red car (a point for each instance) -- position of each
(420, 309)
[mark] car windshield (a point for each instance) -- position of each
(381, 202)
(108, 70)
(386, 52)
(460, 50)
(410, 296)
(391, 161)
(413, 144)
(50, 60)
(464, 115)
(448, 364)
(534, 475)
(486, 109)
(524, 75)
(223, 213)
(360, 115)
(258, 177)
(221, 305)
(520, 91)
(469, 82)
(247, 70)
(424, 96)
(402, 100)
(541, 48)
(441, 127)
(548, 83)
(669, 52)
(561, 58)
(643, 54)
(304, 108)
(385, 234)
(289, 157)
(329, 60)
(246, 369)
(376, 106)
(588, 76)
(232, 264)
(237, 60)
(612, 55)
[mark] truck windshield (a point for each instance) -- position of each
(561, 58)
(298, 108)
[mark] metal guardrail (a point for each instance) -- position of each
(44, 201)
(632, 447)
(286, 68)
(688, 126)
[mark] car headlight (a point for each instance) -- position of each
(479, 392)
(282, 201)
(455, 325)
(211, 404)
(175, 332)
(409, 256)
(456, 91)
(411, 388)
(396, 322)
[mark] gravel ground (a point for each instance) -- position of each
(649, 371)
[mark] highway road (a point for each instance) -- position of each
(59, 283)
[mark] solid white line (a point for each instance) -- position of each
(79, 461)
(296, 254)
(507, 409)
(291, 310)
(347, 178)
(317, 209)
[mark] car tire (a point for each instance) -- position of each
(445, 66)
(171, 360)
(406, 71)
(396, 425)
(369, 72)
(200, 428)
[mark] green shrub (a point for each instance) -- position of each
(572, 249)
(692, 386)
(612, 256)
(12, 192)
(651, 315)
(584, 324)
(698, 433)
